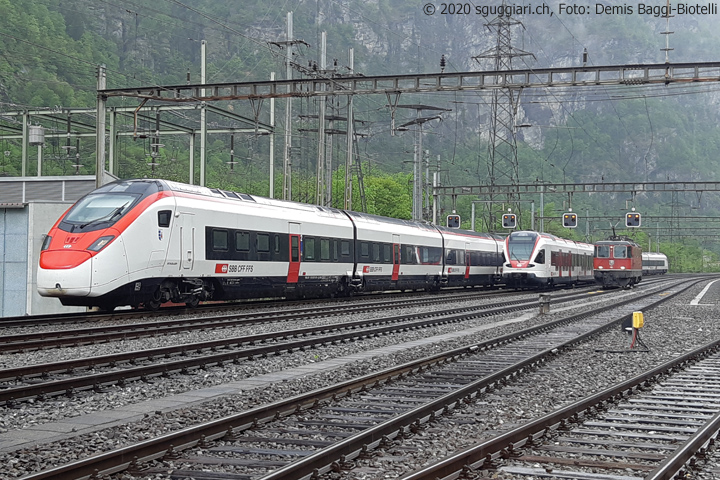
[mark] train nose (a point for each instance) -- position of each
(60, 282)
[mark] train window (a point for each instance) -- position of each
(294, 249)
(309, 249)
(408, 255)
(242, 241)
(324, 249)
(335, 250)
(164, 218)
(375, 253)
(602, 251)
(263, 242)
(450, 257)
(220, 240)
(230, 194)
(619, 251)
(345, 248)
(277, 243)
(387, 253)
(364, 249)
(540, 257)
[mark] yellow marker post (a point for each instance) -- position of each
(638, 320)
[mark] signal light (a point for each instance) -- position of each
(453, 221)
(509, 220)
(632, 219)
(570, 220)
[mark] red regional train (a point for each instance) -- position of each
(148, 242)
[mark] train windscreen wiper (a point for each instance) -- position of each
(107, 218)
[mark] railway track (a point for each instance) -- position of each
(33, 321)
(28, 341)
(440, 384)
(66, 377)
(653, 426)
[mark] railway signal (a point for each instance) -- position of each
(453, 221)
(570, 220)
(509, 220)
(632, 219)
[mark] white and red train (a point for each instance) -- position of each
(543, 260)
(147, 242)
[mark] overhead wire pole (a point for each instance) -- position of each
(347, 200)
(272, 142)
(417, 206)
(502, 145)
(320, 167)
(203, 117)
(100, 128)
(287, 155)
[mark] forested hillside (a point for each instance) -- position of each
(50, 50)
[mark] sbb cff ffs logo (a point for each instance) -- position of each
(509, 220)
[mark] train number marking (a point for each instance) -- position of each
(233, 268)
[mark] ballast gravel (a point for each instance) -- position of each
(669, 330)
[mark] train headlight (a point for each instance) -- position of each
(101, 243)
(46, 243)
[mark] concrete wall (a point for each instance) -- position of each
(13, 251)
(22, 231)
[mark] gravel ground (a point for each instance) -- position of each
(669, 330)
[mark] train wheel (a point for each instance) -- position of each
(155, 302)
(193, 302)
(153, 305)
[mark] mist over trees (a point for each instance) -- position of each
(591, 134)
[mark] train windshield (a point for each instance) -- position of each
(520, 245)
(101, 208)
(602, 251)
(106, 205)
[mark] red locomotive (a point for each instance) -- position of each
(618, 262)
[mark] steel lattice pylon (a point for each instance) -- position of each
(502, 160)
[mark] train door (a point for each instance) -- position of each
(187, 241)
(396, 258)
(294, 263)
(467, 261)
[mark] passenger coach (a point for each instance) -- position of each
(536, 259)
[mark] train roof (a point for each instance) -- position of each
(244, 197)
(469, 233)
(370, 218)
(616, 242)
